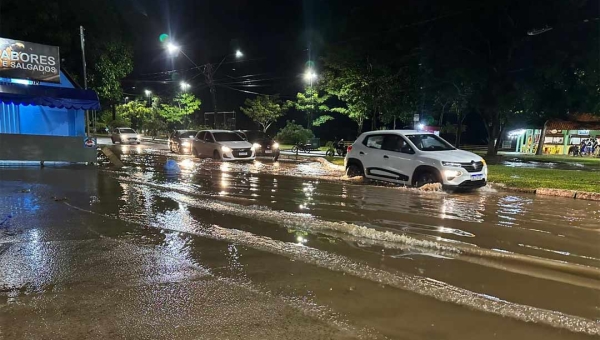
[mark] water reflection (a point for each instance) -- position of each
(187, 164)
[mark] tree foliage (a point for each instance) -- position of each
(135, 111)
(294, 133)
(114, 63)
(182, 106)
(264, 110)
(312, 103)
(489, 62)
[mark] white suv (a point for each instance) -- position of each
(414, 158)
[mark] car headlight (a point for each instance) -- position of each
(453, 164)
(256, 146)
(275, 145)
(185, 144)
(225, 149)
(452, 174)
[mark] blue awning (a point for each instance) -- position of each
(58, 97)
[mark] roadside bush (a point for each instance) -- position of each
(101, 127)
(293, 133)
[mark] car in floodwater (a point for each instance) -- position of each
(414, 158)
(262, 142)
(222, 145)
(125, 136)
(180, 141)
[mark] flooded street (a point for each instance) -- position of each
(286, 250)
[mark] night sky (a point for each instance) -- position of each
(277, 39)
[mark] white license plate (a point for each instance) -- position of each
(477, 177)
(131, 138)
(243, 154)
(268, 151)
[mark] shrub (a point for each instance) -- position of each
(294, 133)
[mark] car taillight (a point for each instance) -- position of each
(349, 148)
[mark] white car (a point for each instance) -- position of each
(222, 145)
(125, 135)
(414, 158)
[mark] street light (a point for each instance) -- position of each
(172, 48)
(207, 69)
(310, 76)
(148, 93)
(185, 86)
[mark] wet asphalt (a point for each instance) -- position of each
(286, 250)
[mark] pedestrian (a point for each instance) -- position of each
(582, 147)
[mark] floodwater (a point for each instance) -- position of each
(575, 164)
(287, 250)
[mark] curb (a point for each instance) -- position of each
(582, 195)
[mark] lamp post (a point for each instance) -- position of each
(148, 94)
(310, 76)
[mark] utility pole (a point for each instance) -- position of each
(85, 86)
(208, 74)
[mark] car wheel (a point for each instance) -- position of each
(195, 153)
(294, 149)
(354, 170)
(329, 153)
(113, 141)
(216, 155)
(139, 143)
(276, 157)
(426, 177)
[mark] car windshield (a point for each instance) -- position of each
(227, 137)
(126, 130)
(430, 142)
(187, 133)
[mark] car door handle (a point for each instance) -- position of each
(386, 156)
(361, 153)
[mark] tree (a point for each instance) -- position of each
(264, 110)
(509, 66)
(115, 62)
(294, 133)
(106, 120)
(313, 104)
(136, 111)
(346, 84)
(183, 105)
(355, 111)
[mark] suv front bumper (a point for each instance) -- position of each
(465, 181)
(466, 185)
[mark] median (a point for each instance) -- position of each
(553, 182)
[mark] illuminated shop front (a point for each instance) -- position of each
(561, 135)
